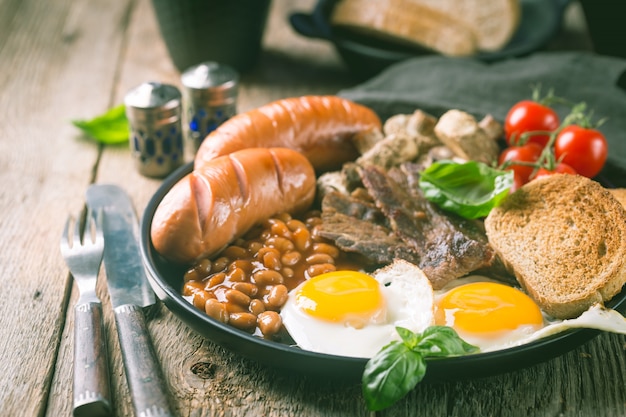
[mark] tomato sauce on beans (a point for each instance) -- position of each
(247, 284)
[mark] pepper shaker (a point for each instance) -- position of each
(156, 135)
(210, 91)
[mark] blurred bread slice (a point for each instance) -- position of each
(494, 22)
(407, 22)
(450, 27)
(564, 239)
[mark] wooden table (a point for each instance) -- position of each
(72, 59)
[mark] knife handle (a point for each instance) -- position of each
(145, 380)
(92, 396)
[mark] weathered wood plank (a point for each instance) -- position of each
(53, 55)
(588, 381)
(205, 379)
(232, 386)
(67, 59)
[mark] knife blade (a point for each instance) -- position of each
(130, 291)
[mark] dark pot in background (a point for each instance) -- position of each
(606, 26)
(224, 31)
(366, 56)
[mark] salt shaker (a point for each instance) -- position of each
(156, 135)
(210, 91)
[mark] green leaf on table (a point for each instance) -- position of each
(468, 189)
(109, 128)
(401, 365)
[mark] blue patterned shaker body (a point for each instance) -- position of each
(156, 133)
(210, 91)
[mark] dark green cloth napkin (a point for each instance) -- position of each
(437, 84)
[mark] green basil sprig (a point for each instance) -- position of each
(468, 189)
(109, 128)
(401, 365)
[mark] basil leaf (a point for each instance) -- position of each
(400, 366)
(442, 341)
(409, 338)
(470, 189)
(109, 128)
(391, 374)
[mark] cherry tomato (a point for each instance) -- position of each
(584, 149)
(561, 168)
(530, 116)
(528, 153)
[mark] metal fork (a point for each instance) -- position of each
(91, 375)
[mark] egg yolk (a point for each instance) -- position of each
(351, 297)
(484, 307)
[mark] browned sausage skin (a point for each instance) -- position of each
(221, 200)
(255, 165)
(320, 127)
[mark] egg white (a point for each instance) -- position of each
(597, 317)
(408, 299)
(486, 343)
(410, 303)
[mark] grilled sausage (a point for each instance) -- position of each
(223, 199)
(320, 127)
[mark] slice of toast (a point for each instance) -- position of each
(450, 27)
(494, 22)
(564, 239)
(406, 22)
(619, 194)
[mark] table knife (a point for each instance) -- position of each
(130, 292)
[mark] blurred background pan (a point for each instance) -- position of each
(365, 56)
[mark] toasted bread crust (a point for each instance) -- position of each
(564, 239)
(619, 194)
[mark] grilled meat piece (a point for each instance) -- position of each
(359, 208)
(448, 246)
(494, 268)
(374, 242)
(358, 226)
(403, 224)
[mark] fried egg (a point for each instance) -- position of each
(487, 313)
(350, 313)
(494, 316)
(355, 314)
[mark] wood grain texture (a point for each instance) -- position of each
(66, 59)
(566, 386)
(230, 387)
(50, 60)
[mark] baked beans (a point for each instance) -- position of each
(247, 284)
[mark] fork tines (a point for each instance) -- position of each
(92, 229)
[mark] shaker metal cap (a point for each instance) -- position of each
(153, 100)
(211, 82)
